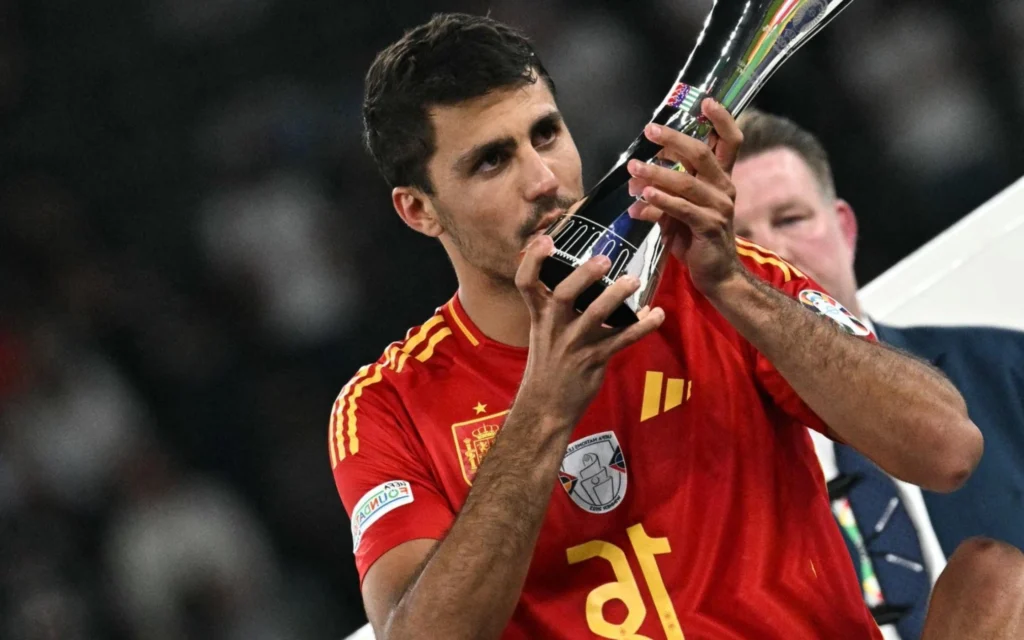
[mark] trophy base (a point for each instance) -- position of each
(553, 271)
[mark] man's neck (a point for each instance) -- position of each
(497, 310)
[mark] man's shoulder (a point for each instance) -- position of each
(377, 401)
(425, 353)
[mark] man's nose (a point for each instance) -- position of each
(540, 180)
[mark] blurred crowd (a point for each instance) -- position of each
(196, 254)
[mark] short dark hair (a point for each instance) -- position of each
(452, 58)
(765, 132)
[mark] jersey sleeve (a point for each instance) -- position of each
(381, 473)
(772, 269)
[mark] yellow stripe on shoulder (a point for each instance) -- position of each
(339, 414)
(331, 425)
(761, 255)
(437, 322)
(432, 332)
(434, 341)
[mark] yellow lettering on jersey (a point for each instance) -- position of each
(646, 548)
(676, 392)
(625, 588)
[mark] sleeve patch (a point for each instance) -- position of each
(378, 501)
(825, 305)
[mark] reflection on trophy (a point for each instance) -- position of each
(743, 42)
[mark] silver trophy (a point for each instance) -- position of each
(742, 43)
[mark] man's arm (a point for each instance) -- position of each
(898, 411)
(485, 556)
(423, 590)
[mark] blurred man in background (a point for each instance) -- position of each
(898, 535)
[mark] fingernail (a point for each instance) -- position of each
(659, 313)
(649, 192)
(636, 168)
(653, 131)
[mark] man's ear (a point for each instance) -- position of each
(847, 224)
(416, 210)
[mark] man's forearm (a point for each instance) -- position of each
(472, 583)
(898, 411)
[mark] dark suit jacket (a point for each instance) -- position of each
(987, 365)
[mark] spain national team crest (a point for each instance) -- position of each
(593, 472)
(473, 439)
(825, 305)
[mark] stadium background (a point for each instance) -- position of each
(195, 254)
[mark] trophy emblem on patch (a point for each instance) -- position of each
(593, 472)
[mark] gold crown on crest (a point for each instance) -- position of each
(486, 431)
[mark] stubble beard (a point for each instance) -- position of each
(498, 259)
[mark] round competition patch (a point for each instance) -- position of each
(593, 472)
(825, 305)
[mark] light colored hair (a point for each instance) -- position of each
(764, 132)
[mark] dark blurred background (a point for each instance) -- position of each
(196, 254)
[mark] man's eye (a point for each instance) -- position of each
(789, 220)
(545, 135)
(491, 162)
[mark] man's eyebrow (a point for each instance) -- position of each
(466, 162)
(787, 205)
(551, 118)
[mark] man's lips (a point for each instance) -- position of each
(548, 220)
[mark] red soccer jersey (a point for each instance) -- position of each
(689, 501)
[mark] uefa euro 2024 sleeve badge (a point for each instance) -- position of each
(593, 472)
(825, 305)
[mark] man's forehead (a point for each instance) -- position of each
(773, 178)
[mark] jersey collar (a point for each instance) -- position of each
(469, 335)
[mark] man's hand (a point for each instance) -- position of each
(695, 207)
(568, 350)
(420, 589)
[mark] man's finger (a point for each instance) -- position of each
(700, 220)
(580, 279)
(730, 136)
(669, 158)
(528, 275)
(632, 334)
(681, 184)
(698, 153)
(641, 210)
(609, 300)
